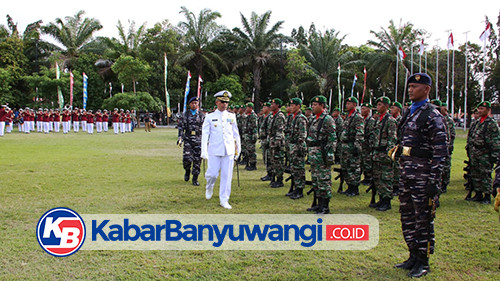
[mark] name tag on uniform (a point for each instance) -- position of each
(230, 120)
(215, 120)
(193, 133)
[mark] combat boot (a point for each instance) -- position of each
(354, 191)
(409, 263)
(251, 167)
(348, 190)
(324, 208)
(385, 205)
(314, 206)
(486, 199)
(299, 193)
(421, 266)
(186, 175)
(278, 183)
(478, 197)
(375, 205)
(195, 180)
(266, 177)
(273, 180)
(444, 189)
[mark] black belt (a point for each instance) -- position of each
(381, 148)
(414, 152)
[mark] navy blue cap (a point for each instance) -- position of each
(192, 99)
(420, 78)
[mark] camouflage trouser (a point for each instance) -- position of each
(416, 221)
(192, 154)
(446, 171)
(366, 162)
(297, 164)
(395, 182)
(321, 173)
(480, 173)
(266, 155)
(277, 157)
(383, 174)
(350, 164)
(250, 150)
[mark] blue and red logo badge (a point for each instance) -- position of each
(60, 232)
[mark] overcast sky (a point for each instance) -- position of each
(354, 19)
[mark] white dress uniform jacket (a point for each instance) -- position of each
(220, 136)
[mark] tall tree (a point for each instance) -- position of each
(382, 63)
(198, 33)
(128, 41)
(73, 33)
(255, 44)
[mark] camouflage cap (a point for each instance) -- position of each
(486, 104)
(319, 99)
(296, 101)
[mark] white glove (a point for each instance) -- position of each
(236, 157)
(179, 142)
(204, 156)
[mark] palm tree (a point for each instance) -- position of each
(128, 42)
(324, 52)
(73, 33)
(198, 33)
(382, 63)
(255, 44)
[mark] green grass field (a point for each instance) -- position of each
(142, 173)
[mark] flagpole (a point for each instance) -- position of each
(167, 98)
(330, 100)
(411, 63)
(448, 68)
(364, 85)
(484, 67)
(420, 64)
(465, 88)
(406, 85)
(343, 95)
(397, 66)
(437, 68)
(338, 82)
(453, 83)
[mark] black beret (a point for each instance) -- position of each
(420, 78)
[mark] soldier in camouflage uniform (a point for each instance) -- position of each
(263, 133)
(287, 130)
(276, 140)
(366, 153)
(395, 109)
(423, 150)
(321, 141)
(309, 116)
(240, 121)
(190, 126)
(351, 141)
(339, 126)
(297, 147)
(250, 137)
(383, 138)
(484, 149)
(450, 131)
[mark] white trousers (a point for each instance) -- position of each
(39, 126)
(84, 126)
(90, 128)
(46, 127)
(122, 127)
(76, 126)
(65, 126)
(51, 125)
(32, 125)
(105, 126)
(2, 128)
(98, 127)
(224, 164)
(20, 127)
(116, 127)
(56, 127)
(26, 127)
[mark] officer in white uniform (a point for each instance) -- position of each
(221, 145)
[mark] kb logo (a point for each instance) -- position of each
(60, 232)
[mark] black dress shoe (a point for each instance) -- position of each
(419, 269)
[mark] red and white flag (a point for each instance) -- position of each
(486, 33)
(421, 50)
(450, 41)
(71, 83)
(199, 84)
(401, 53)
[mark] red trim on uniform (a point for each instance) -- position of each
(274, 112)
(483, 118)
(351, 112)
(319, 114)
(382, 116)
